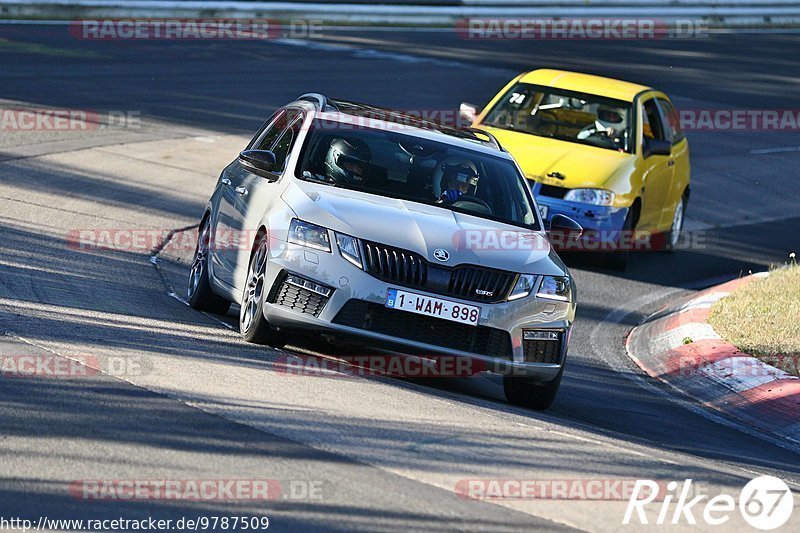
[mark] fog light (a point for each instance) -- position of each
(307, 284)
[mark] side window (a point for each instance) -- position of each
(260, 133)
(271, 133)
(671, 121)
(651, 121)
(285, 144)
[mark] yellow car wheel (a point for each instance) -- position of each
(674, 235)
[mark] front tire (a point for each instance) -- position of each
(252, 324)
(199, 292)
(674, 234)
(526, 392)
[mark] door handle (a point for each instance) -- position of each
(671, 163)
(242, 190)
(225, 181)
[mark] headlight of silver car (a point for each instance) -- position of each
(308, 234)
(348, 247)
(523, 287)
(590, 196)
(555, 288)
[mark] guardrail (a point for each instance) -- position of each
(772, 13)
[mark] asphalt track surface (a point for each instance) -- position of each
(387, 452)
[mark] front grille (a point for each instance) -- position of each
(436, 331)
(297, 298)
(552, 191)
(464, 281)
(410, 269)
(542, 351)
(396, 265)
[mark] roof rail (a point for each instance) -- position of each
(322, 102)
(492, 138)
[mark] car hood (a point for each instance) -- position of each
(580, 165)
(422, 228)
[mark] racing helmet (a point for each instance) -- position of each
(611, 117)
(347, 160)
(460, 176)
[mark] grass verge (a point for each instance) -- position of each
(763, 318)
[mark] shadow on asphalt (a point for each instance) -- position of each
(115, 300)
(101, 430)
(73, 182)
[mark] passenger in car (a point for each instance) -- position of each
(460, 179)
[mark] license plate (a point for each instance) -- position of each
(435, 307)
(543, 210)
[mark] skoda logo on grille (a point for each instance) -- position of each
(441, 254)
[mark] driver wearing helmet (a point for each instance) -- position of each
(460, 179)
(347, 161)
(610, 121)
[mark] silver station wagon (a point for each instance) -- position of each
(384, 229)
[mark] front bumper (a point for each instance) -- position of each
(595, 218)
(603, 226)
(352, 288)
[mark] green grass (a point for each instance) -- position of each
(763, 318)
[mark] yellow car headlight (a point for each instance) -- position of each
(590, 196)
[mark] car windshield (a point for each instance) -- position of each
(403, 166)
(564, 115)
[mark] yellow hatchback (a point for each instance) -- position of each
(607, 153)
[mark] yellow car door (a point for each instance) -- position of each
(657, 165)
(680, 153)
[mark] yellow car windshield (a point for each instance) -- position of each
(564, 115)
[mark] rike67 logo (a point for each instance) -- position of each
(765, 503)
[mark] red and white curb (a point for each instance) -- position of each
(678, 346)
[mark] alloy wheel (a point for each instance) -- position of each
(254, 290)
(677, 225)
(198, 269)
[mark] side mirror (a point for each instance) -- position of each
(467, 113)
(656, 147)
(563, 230)
(258, 162)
